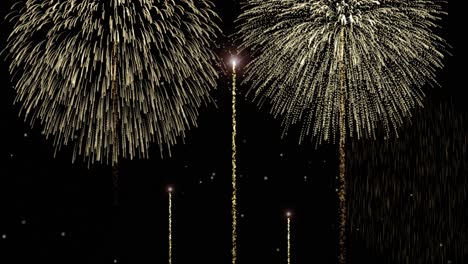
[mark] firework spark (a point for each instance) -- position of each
(341, 67)
(113, 76)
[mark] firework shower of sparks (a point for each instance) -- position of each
(390, 52)
(113, 76)
(410, 193)
(341, 67)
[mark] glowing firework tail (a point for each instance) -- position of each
(170, 190)
(342, 156)
(113, 77)
(234, 164)
(288, 215)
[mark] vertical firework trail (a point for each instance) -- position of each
(234, 161)
(288, 214)
(342, 166)
(170, 226)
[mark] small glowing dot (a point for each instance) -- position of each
(242, 215)
(441, 245)
(212, 177)
(288, 213)
(244, 141)
(4, 236)
(305, 178)
(265, 178)
(213, 174)
(281, 155)
(277, 250)
(170, 189)
(11, 155)
(324, 161)
(411, 195)
(25, 134)
(357, 229)
(62, 234)
(23, 222)
(115, 260)
(200, 182)
(336, 190)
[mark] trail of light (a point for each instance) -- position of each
(289, 238)
(170, 226)
(234, 161)
(342, 166)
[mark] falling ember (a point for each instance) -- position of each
(408, 196)
(234, 164)
(170, 190)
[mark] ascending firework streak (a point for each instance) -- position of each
(342, 67)
(342, 155)
(170, 190)
(288, 216)
(234, 164)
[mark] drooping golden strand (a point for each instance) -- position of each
(80, 65)
(234, 167)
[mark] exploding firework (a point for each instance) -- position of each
(387, 49)
(341, 67)
(113, 76)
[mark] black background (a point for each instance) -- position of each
(52, 211)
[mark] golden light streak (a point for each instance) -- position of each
(234, 164)
(342, 155)
(170, 190)
(288, 215)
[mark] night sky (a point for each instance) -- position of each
(53, 211)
